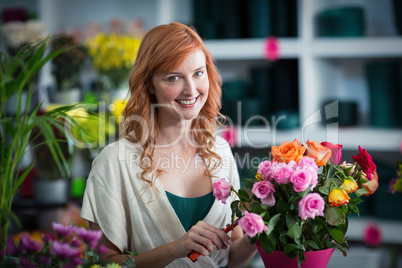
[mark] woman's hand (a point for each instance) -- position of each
(202, 238)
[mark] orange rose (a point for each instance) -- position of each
(349, 185)
(370, 186)
(338, 197)
(288, 151)
(320, 153)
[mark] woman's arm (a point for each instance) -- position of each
(241, 251)
(202, 237)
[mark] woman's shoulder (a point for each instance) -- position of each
(222, 146)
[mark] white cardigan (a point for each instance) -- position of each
(136, 219)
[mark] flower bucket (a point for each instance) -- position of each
(314, 259)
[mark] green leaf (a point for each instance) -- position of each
(312, 244)
(337, 235)
(244, 195)
(334, 216)
(294, 231)
(361, 191)
(282, 206)
(289, 248)
(267, 244)
(249, 182)
(272, 222)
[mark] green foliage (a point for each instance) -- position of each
(20, 128)
(287, 231)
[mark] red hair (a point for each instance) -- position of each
(163, 49)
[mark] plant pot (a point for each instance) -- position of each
(314, 259)
(52, 192)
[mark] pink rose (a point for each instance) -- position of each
(366, 162)
(264, 168)
(281, 172)
(264, 190)
(252, 224)
(336, 152)
(306, 163)
(302, 179)
(311, 205)
(372, 235)
(221, 190)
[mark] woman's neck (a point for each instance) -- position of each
(174, 135)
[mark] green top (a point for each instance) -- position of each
(190, 210)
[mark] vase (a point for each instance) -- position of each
(314, 259)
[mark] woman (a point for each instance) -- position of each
(151, 191)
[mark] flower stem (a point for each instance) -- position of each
(241, 200)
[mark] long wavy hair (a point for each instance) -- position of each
(163, 49)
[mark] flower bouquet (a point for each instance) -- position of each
(113, 55)
(300, 201)
(69, 246)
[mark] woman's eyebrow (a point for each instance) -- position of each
(176, 73)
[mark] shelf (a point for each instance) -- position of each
(390, 229)
(350, 138)
(369, 47)
(253, 49)
(250, 49)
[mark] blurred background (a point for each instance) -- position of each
(307, 69)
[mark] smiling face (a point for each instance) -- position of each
(181, 93)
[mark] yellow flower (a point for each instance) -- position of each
(117, 112)
(113, 51)
(259, 177)
(349, 185)
(338, 197)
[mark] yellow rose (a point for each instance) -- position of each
(349, 185)
(338, 197)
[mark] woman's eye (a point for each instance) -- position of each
(199, 73)
(173, 78)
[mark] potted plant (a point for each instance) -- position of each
(298, 204)
(16, 129)
(66, 69)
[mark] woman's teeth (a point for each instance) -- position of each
(186, 102)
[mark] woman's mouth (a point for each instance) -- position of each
(187, 102)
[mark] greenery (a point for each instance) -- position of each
(22, 126)
(301, 200)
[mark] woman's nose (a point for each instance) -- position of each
(190, 87)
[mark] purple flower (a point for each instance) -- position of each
(62, 230)
(252, 224)
(391, 185)
(301, 179)
(26, 263)
(221, 190)
(46, 238)
(76, 242)
(281, 172)
(76, 261)
(27, 244)
(64, 250)
(10, 247)
(311, 205)
(45, 260)
(306, 163)
(91, 237)
(264, 168)
(102, 249)
(264, 190)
